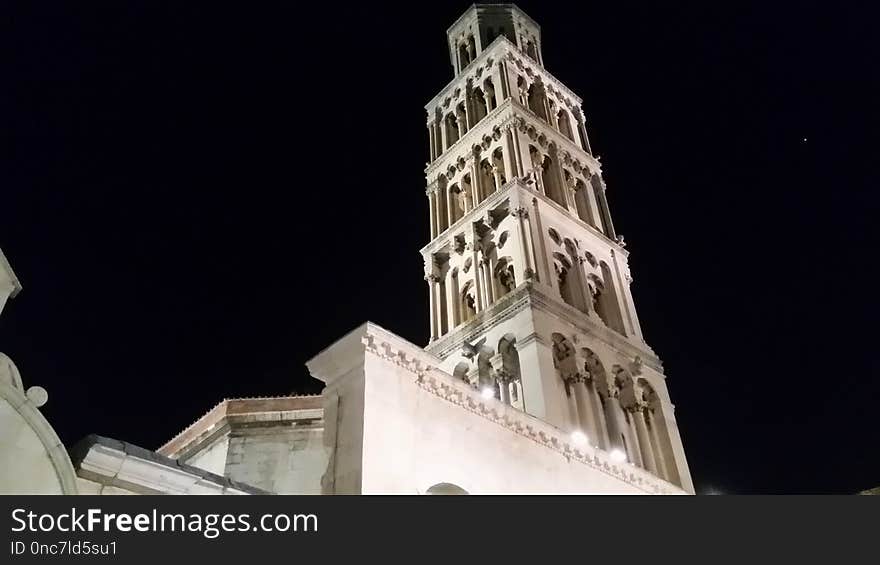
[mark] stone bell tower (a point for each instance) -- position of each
(529, 283)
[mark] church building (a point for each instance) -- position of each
(537, 377)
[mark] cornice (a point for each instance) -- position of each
(444, 386)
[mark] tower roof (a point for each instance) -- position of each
(492, 7)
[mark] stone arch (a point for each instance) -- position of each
(446, 489)
(442, 203)
(34, 459)
(595, 378)
(454, 295)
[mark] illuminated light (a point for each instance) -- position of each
(617, 455)
(579, 437)
(488, 392)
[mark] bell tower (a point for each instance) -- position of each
(529, 283)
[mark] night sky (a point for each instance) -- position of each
(199, 198)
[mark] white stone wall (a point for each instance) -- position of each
(285, 461)
(421, 427)
(213, 457)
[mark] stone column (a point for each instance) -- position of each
(438, 301)
(472, 167)
(612, 421)
(496, 176)
(644, 440)
(517, 150)
(585, 414)
(581, 123)
(656, 446)
(524, 270)
(595, 212)
(433, 309)
(451, 303)
(541, 247)
(475, 265)
(432, 207)
(570, 185)
(626, 310)
(507, 151)
(603, 206)
(450, 202)
(461, 122)
(573, 128)
(468, 110)
(601, 438)
(444, 135)
(626, 282)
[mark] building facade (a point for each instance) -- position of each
(536, 379)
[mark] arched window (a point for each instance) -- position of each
(537, 100)
(480, 107)
(567, 280)
(489, 89)
(605, 301)
(582, 202)
(462, 118)
(468, 302)
(550, 176)
(451, 129)
(487, 179)
(458, 204)
(531, 51)
(564, 124)
(498, 171)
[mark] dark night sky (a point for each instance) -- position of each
(197, 199)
